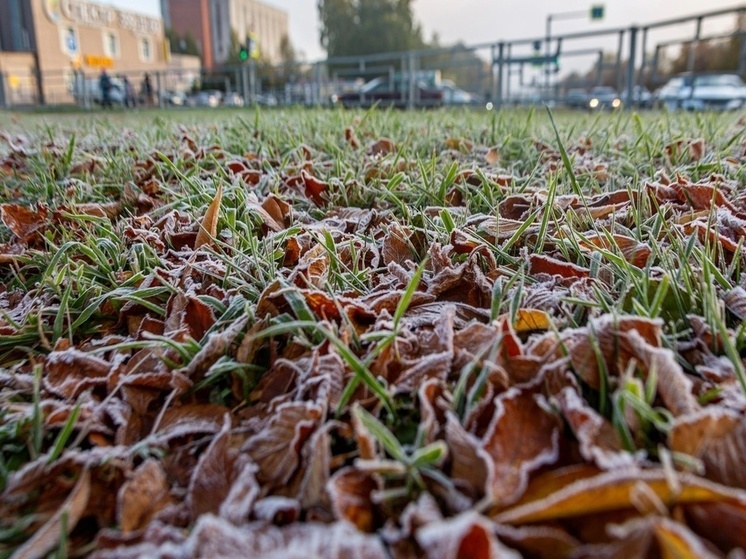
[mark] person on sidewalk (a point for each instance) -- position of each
(104, 83)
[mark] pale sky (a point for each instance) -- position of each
(481, 21)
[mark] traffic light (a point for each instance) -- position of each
(243, 53)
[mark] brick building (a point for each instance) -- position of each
(53, 38)
(211, 22)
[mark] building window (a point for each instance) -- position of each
(69, 39)
(111, 44)
(146, 50)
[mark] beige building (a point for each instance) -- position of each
(211, 23)
(57, 37)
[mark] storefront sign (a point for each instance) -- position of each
(97, 15)
(94, 61)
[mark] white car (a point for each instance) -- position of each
(93, 91)
(720, 92)
(711, 91)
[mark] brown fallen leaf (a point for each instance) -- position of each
(468, 535)
(351, 137)
(492, 156)
(383, 146)
(208, 229)
(48, 536)
(25, 224)
(142, 496)
(314, 188)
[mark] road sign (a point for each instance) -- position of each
(597, 12)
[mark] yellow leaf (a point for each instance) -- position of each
(528, 320)
(678, 542)
(209, 227)
(611, 491)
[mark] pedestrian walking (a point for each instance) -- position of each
(104, 83)
(147, 90)
(129, 93)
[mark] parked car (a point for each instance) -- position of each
(174, 98)
(233, 100)
(577, 98)
(454, 95)
(673, 92)
(704, 91)
(604, 97)
(93, 91)
(640, 95)
(391, 94)
(207, 98)
(719, 92)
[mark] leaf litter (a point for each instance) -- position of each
(218, 341)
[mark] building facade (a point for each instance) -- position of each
(56, 38)
(213, 22)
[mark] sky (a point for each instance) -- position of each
(481, 21)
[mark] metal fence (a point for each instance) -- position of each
(503, 72)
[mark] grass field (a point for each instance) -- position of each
(382, 334)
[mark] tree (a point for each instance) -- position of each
(358, 27)
(182, 44)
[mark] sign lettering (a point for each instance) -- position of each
(97, 15)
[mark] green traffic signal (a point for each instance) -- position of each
(243, 54)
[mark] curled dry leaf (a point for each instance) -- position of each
(208, 229)
(614, 491)
(599, 441)
(314, 188)
(66, 518)
(350, 493)
(492, 156)
(521, 438)
(142, 496)
(25, 224)
(351, 137)
(541, 264)
(383, 146)
(467, 535)
(717, 437)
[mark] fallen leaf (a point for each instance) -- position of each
(142, 496)
(208, 229)
(616, 490)
(492, 156)
(48, 536)
(383, 146)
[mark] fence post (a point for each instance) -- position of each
(631, 101)
(500, 70)
(508, 53)
(493, 77)
(641, 73)
(3, 98)
(412, 81)
(693, 47)
(618, 64)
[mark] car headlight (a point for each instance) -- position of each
(593, 103)
(616, 103)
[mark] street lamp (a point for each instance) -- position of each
(596, 13)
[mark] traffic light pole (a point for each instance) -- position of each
(577, 14)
